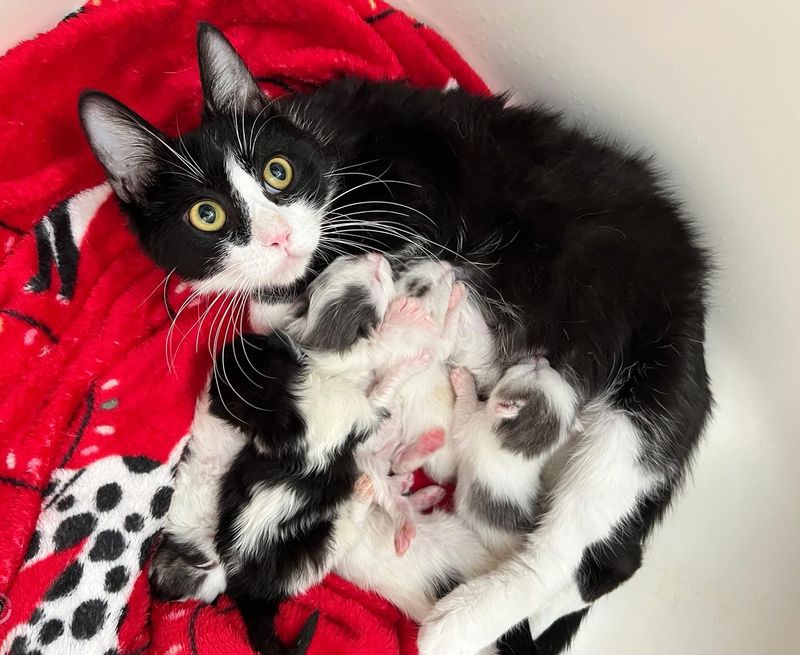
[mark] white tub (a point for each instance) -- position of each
(713, 87)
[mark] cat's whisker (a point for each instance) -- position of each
(242, 300)
(189, 166)
(229, 324)
(156, 288)
(346, 191)
(392, 203)
(242, 315)
(250, 142)
(169, 351)
(358, 165)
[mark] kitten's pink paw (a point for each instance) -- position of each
(427, 497)
(407, 312)
(401, 484)
(457, 295)
(419, 362)
(462, 381)
(404, 536)
(415, 455)
(364, 489)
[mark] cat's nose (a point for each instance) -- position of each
(278, 237)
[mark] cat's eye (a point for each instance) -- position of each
(207, 215)
(278, 174)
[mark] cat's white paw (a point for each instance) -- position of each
(447, 630)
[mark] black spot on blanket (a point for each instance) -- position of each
(88, 619)
(108, 546)
(140, 464)
(160, 503)
(116, 579)
(65, 503)
(134, 522)
(33, 545)
(50, 631)
(65, 582)
(108, 496)
(73, 529)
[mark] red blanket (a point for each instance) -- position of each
(92, 418)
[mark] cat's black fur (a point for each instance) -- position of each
(575, 243)
(273, 457)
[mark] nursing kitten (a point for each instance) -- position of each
(503, 444)
(571, 244)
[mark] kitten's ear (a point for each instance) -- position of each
(124, 143)
(228, 85)
(507, 409)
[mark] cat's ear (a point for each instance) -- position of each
(228, 85)
(124, 143)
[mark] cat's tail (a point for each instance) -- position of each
(259, 618)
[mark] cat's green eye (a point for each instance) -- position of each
(278, 173)
(207, 215)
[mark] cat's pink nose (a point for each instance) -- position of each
(278, 238)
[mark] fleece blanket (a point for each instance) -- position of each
(98, 378)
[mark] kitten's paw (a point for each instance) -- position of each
(427, 497)
(401, 484)
(463, 383)
(364, 489)
(404, 536)
(418, 362)
(407, 312)
(414, 456)
(457, 295)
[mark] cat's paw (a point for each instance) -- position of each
(444, 634)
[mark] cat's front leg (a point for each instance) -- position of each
(601, 485)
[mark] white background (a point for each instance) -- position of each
(713, 87)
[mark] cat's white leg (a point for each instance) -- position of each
(601, 484)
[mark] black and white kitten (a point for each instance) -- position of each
(579, 254)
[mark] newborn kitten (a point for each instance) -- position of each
(503, 445)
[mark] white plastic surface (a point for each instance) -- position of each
(713, 87)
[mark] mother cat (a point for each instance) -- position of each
(579, 253)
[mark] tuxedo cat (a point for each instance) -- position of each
(576, 249)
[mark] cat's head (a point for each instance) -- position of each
(235, 205)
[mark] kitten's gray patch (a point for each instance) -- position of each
(343, 321)
(534, 430)
(501, 513)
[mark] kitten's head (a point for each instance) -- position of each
(344, 304)
(235, 205)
